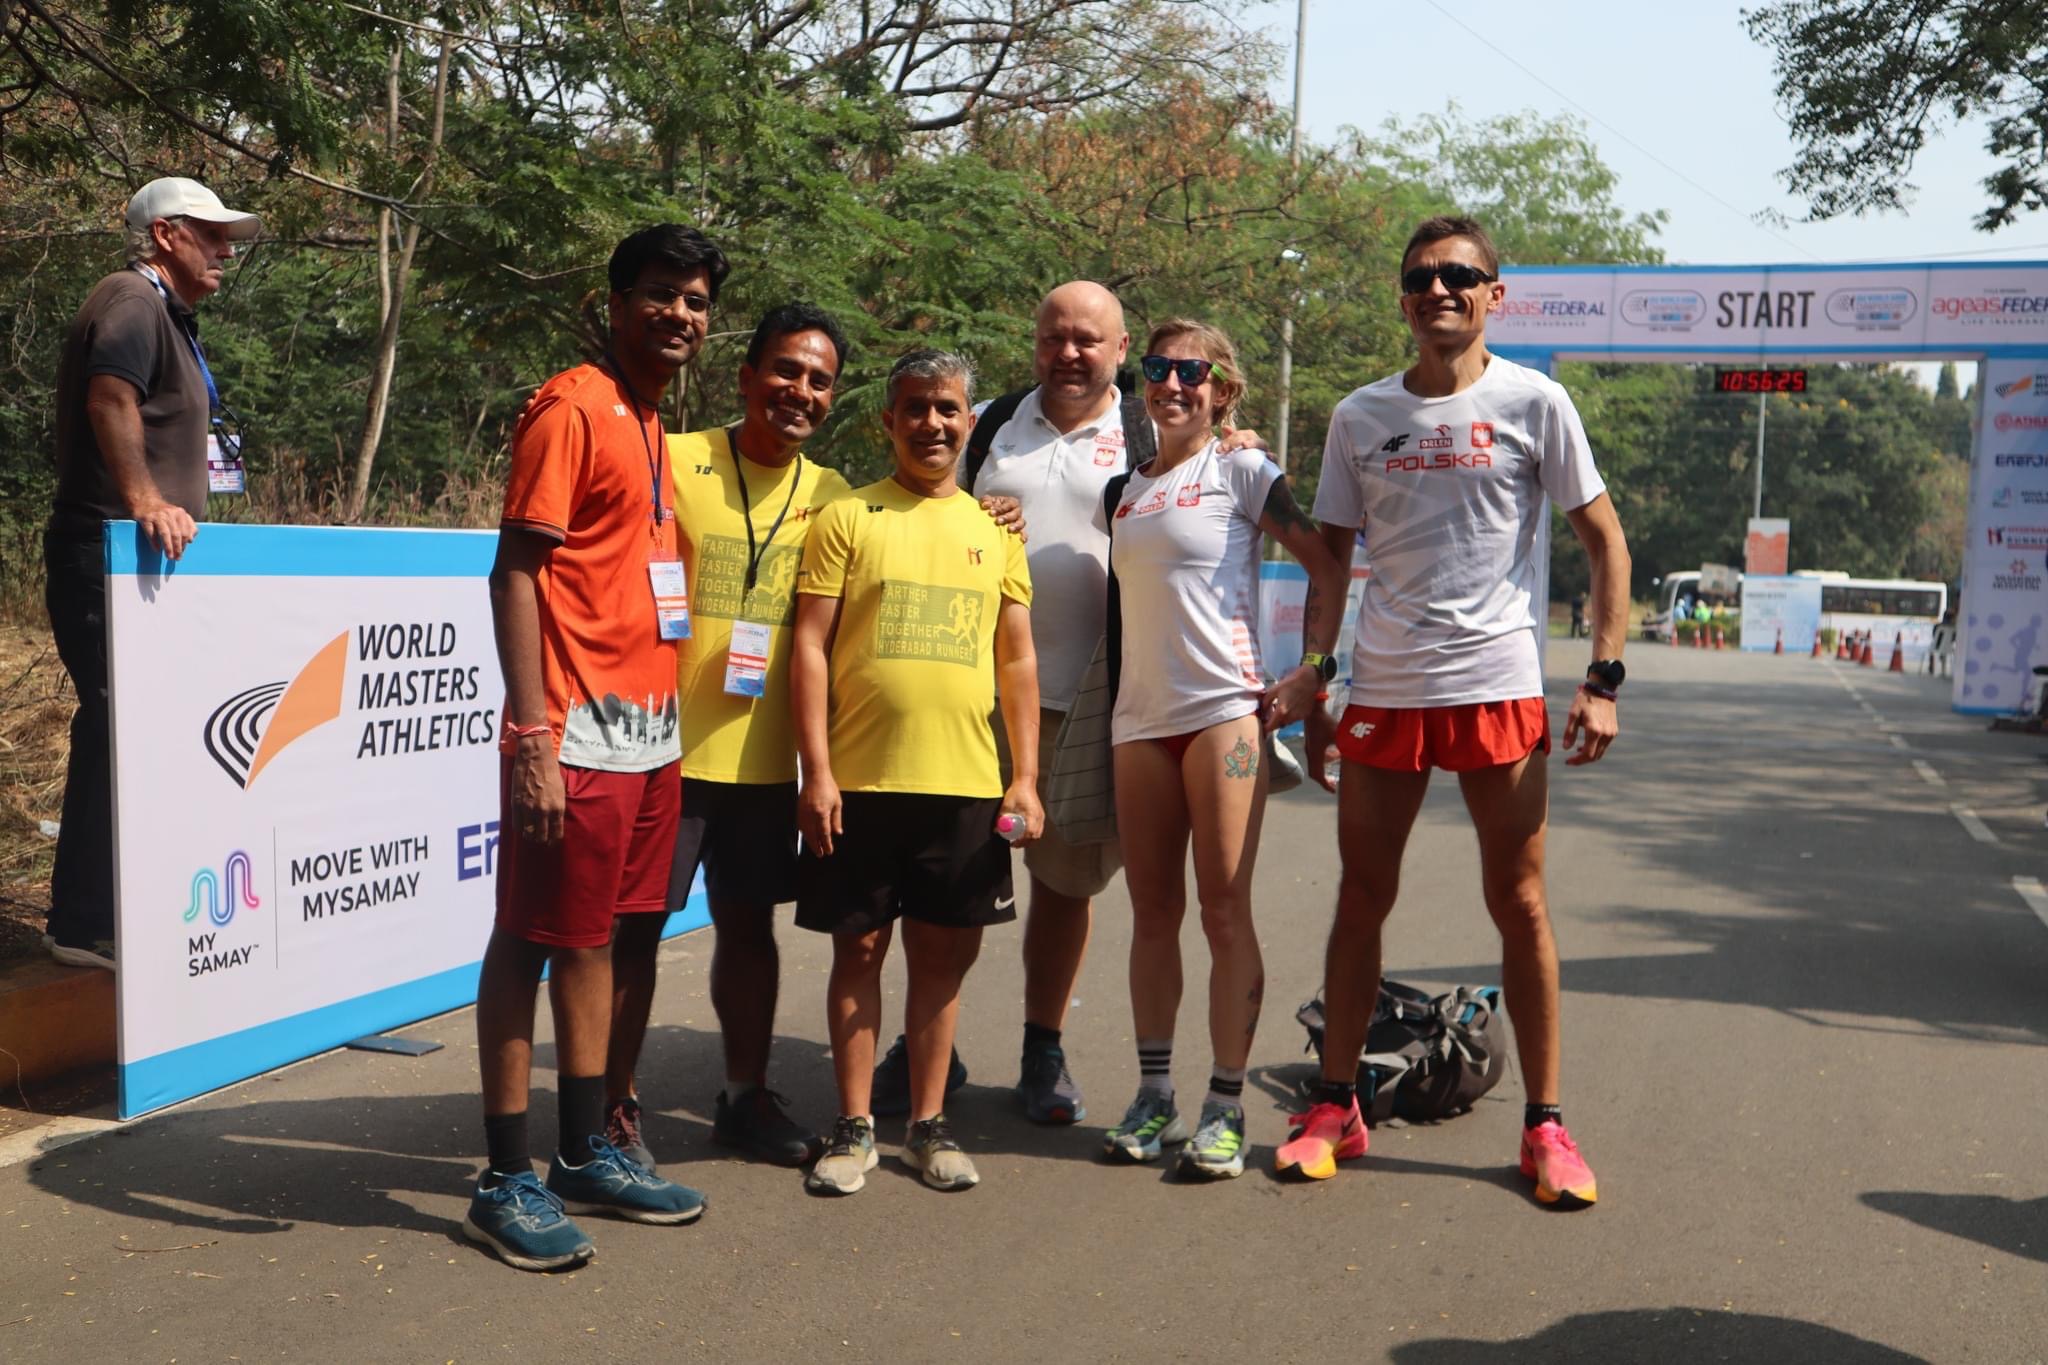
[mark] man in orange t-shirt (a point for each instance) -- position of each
(588, 600)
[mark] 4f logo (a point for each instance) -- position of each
(1360, 729)
(1396, 443)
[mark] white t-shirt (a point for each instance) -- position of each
(1450, 493)
(1186, 550)
(1059, 478)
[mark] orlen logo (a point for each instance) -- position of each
(2014, 304)
(1663, 308)
(2021, 421)
(250, 728)
(1441, 441)
(1872, 307)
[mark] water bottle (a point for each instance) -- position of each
(1011, 826)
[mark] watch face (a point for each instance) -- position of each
(1608, 671)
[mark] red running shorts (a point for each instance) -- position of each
(1457, 739)
(618, 839)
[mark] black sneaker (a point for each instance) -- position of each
(890, 1094)
(756, 1124)
(622, 1130)
(1047, 1090)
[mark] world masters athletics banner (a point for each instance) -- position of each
(305, 726)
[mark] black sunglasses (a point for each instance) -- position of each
(1191, 372)
(1455, 274)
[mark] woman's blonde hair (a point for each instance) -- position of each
(1217, 349)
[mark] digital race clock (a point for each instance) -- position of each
(1759, 381)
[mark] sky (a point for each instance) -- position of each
(1678, 84)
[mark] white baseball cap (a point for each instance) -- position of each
(176, 197)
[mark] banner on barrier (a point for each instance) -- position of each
(305, 726)
(2005, 559)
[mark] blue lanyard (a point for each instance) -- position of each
(653, 464)
(191, 334)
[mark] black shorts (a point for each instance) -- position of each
(937, 859)
(744, 834)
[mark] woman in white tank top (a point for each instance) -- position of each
(1192, 706)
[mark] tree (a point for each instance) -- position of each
(1865, 83)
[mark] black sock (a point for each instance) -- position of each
(580, 1116)
(505, 1140)
(1037, 1037)
(1343, 1094)
(1536, 1115)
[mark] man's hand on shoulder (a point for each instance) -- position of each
(1008, 514)
(1241, 438)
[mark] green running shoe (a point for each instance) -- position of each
(1217, 1149)
(1149, 1125)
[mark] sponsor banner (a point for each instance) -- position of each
(1688, 309)
(1768, 550)
(1779, 608)
(2004, 607)
(305, 726)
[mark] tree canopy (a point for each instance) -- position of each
(1866, 83)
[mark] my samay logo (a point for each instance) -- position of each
(218, 900)
(250, 728)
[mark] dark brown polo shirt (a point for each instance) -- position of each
(126, 329)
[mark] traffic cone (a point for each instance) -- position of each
(1717, 637)
(1780, 647)
(1898, 663)
(1866, 659)
(1816, 645)
(1699, 637)
(1841, 646)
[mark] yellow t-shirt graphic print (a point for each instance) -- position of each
(913, 664)
(729, 738)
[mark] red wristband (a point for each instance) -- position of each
(1322, 696)
(508, 741)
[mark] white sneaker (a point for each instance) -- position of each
(99, 954)
(929, 1148)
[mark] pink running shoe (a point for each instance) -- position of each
(1321, 1138)
(1552, 1160)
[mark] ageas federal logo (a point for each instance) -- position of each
(218, 897)
(412, 672)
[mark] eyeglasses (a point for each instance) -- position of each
(1193, 373)
(1456, 276)
(663, 298)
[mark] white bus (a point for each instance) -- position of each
(1903, 608)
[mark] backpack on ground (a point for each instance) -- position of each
(1426, 1057)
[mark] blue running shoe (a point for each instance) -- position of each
(519, 1220)
(612, 1182)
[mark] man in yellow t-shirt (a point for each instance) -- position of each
(745, 499)
(911, 602)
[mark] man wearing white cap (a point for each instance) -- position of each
(140, 434)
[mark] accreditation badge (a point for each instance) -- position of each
(746, 660)
(671, 598)
(224, 470)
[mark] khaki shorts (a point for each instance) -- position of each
(1070, 869)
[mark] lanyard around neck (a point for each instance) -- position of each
(189, 330)
(754, 557)
(653, 462)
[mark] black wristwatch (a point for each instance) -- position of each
(1608, 673)
(1325, 665)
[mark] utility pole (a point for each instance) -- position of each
(1757, 502)
(1290, 257)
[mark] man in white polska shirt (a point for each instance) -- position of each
(1054, 447)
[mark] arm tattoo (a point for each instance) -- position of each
(1283, 510)
(1242, 760)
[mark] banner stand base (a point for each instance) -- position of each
(403, 1047)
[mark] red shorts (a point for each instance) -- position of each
(618, 839)
(1457, 739)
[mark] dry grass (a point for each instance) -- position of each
(36, 702)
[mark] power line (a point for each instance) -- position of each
(1512, 60)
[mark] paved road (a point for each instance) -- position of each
(1805, 1027)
